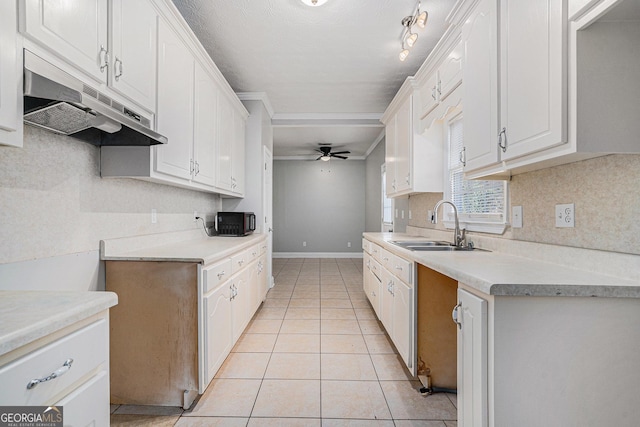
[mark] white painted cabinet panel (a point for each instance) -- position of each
(80, 406)
(237, 170)
(403, 321)
(205, 127)
(386, 301)
(390, 155)
(450, 73)
(217, 328)
(133, 50)
(76, 30)
(472, 360)
(10, 77)
(480, 77)
(404, 143)
(532, 76)
(241, 298)
(224, 165)
(175, 104)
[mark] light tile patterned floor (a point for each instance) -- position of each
(313, 355)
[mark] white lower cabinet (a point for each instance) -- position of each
(472, 360)
(388, 282)
(81, 359)
(240, 301)
(217, 328)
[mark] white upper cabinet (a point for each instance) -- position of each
(480, 77)
(238, 153)
(10, 77)
(231, 150)
(111, 41)
(205, 128)
(413, 161)
(532, 76)
(175, 104)
(132, 52)
(75, 30)
(514, 77)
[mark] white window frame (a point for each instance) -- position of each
(385, 225)
(485, 223)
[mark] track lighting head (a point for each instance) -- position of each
(410, 38)
(314, 3)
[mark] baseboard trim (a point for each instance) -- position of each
(317, 255)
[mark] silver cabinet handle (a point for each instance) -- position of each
(240, 262)
(220, 275)
(117, 65)
(500, 144)
(385, 259)
(454, 315)
(398, 268)
(197, 168)
(408, 179)
(55, 374)
(433, 93)
(104, 58)
(463, 156)
(439, 87)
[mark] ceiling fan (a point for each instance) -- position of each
(326, 153)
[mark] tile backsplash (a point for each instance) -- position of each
(55, 203)
(604, 190)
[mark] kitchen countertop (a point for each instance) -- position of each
(205, 250)
(501, 274)
(26, 316)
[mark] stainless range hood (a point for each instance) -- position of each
(60, 103)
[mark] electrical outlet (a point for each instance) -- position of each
(565, 215)
(304, 244)
(402, 213)
(154, 216)
(516, 216)
(348, 244)
(409, 213)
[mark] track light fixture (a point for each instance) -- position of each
(408, 37)
(314, 3)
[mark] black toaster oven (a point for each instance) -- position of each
(235, 223)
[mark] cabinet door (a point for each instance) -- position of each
(205, 127)
(175, 104)
(133, 51)
(263, 281)
(241, 301)
(88, 405)
(403, 321)
(253, 286)
(472, 360)
(389, 156)
(75, 30)
(10, 77)
(429, 95)
(218, 329)
(404, 140)
(237, 176)
(225, 145)
(480, 76)
(386, 301)
(450, 73)
(532, 75)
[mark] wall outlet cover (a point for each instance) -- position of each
(516, 216)
(565, 215)
(154, 216)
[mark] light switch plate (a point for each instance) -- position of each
(516, 216)
(565, 215)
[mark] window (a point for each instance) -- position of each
(481, 204)
(387, 204)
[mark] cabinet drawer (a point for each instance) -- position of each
(376, 268)
(254, 253)
(88, 347)
(216, 274)
(402, 268)
(366, 246)
(386, 259)
(240, 260)
(263, 248)
(376, 251)
(88, 405)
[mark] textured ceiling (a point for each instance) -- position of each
(337, 59)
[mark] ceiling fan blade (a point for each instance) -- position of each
(319, 158)
(339, 157)
(342, 152)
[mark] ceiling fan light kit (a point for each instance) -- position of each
(419, 19)
(314, 3)
(326, 154)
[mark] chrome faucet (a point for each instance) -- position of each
(459, 236)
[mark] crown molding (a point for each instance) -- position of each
(375, 143)
(326, 119)
(257, 96)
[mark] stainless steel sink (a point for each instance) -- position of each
(428, 245)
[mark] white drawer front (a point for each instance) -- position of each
(241, 260)
(402, 268)
(376, 251)
(376, 268)
(88, 347)
(253, 252)
(386, 259)
(366, 246)
(216, 274)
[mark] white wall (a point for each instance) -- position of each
(53, 203)
(321, 203)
